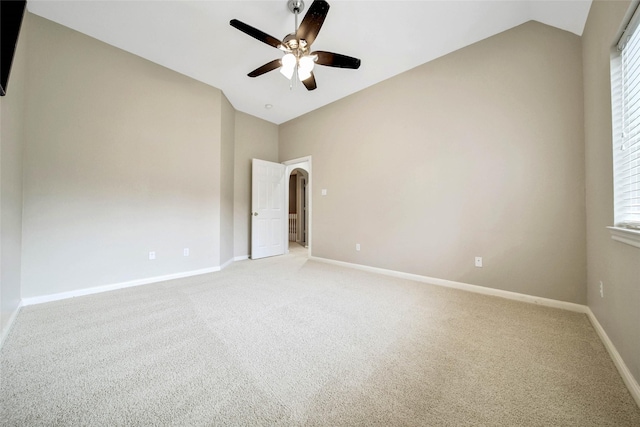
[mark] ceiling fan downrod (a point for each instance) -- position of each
(296, 7)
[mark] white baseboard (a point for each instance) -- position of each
(626, 375)
(226, 264)
(12, 319)
(106, 288)
(463, 286)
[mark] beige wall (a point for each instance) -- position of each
(227, 154)
(255, 139)
(479, 153)
(12, 136)
(122, 158)
(616, 264)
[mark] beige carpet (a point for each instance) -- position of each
(287, 341)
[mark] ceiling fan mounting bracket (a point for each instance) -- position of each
(295, 6)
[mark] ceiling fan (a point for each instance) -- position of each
(298, 59)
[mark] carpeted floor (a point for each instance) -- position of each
(288, 341)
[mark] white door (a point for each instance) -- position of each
(267, 209)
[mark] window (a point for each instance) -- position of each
(626, 137)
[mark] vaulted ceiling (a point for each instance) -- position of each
(194, 38)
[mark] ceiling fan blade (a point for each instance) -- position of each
(255, 33)
(310, 83)
(313, 20)
(269, 66)
(336, 60)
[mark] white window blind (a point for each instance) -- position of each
(626, 149)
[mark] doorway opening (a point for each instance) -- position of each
(298, 195)
(298, 207)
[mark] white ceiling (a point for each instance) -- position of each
(194, 38)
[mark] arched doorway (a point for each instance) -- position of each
(298, 202)
(298, 194)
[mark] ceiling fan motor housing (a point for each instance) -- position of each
(292, 43)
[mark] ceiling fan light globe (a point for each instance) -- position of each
(288, 65)
(306, 64)
(289, 60)
(303, 74)
(287, 72)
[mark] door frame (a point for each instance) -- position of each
(299, 163)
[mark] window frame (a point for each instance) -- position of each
(625, 229)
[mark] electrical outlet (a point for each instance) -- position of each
(152, 255)
(478, 261)
(185, 252)
(601, 289)
(357, 246)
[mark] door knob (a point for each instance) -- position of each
(255, 214)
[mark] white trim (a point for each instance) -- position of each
(626, 375)
(298, 160)
(226, 264)
(106, 288)
(10, 323)
(625, 235)
(547, 302)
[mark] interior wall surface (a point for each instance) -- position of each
(227, 153)
(12, 140)
(122, 158)
(478, 153)
(615, 264)
(254, 139)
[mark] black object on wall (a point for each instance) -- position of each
(11, 13)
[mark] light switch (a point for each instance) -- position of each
(324, 191)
